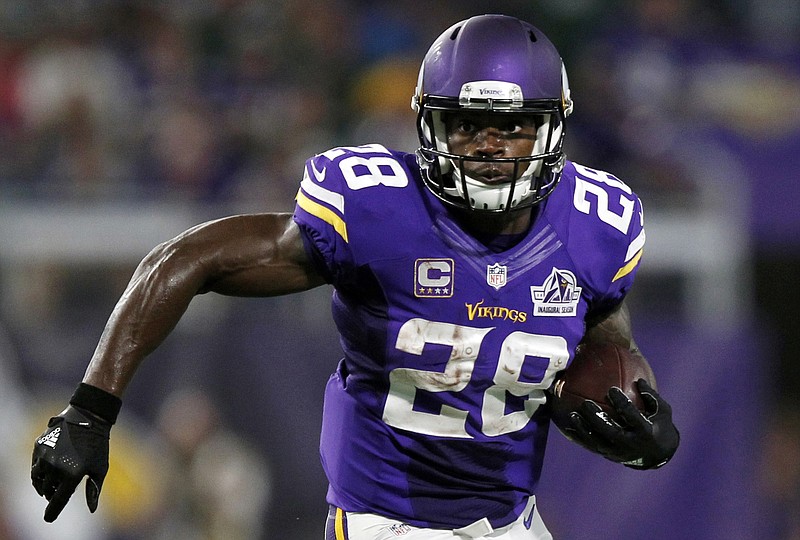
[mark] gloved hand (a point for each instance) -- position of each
(74, 445)
(642, 441)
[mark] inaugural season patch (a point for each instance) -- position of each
(558, 296)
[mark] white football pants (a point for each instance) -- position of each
(343, 525)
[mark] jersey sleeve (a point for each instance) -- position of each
(624, 267)
(320, 214)
(610, 235)
(345, 209)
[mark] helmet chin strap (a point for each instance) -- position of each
(481, 196)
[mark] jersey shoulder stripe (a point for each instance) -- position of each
(322, 203)
(632, 257)
(629, 267)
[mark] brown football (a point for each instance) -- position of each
(594, 370)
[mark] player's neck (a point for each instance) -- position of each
(510, 223)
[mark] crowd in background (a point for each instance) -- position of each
(221, 101)
(217, 104)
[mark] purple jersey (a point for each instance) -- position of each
(434, 416)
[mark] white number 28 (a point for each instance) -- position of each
(597, 183)
(362, 171)
(465, 343)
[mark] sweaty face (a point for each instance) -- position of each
(491, 135)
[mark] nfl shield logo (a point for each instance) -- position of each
(496, 275)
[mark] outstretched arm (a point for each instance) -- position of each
(246, 255)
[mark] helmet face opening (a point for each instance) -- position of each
(501, 66)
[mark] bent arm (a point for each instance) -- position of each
(640, 438)
(615, 327)
(246, 255)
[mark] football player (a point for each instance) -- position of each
(464, 276)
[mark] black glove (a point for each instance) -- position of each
(645, 440)
(74, 445)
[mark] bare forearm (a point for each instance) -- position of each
(158, 294)
(255, 255)
(614, 328)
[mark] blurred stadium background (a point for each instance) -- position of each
(124, 122)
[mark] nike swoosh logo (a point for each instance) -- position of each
(528, 520)
(318, 175)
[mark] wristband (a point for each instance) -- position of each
(96, 401)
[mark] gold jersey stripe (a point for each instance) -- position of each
(323, 213)
(628, 268)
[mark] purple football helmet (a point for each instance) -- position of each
(502, 65)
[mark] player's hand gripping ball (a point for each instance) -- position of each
(604, 401)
